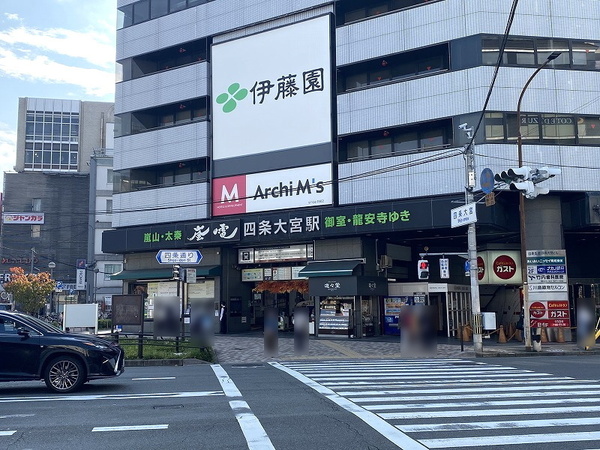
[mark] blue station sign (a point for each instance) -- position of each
(179, 256)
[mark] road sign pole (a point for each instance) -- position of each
(472, 250)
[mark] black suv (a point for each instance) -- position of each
(31, 349)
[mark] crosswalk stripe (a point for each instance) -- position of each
(487, 412)
(414, 377)
(466, 390)
(467, 426)
(526, 402)
(7, 433)
(419, 370)
(420, 374)
(418, 398)
(426, 383)
(481, 441)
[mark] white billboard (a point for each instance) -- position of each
(268, 191)
(272, 90)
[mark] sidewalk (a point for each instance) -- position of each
(249, 348)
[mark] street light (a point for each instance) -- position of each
(523, 237)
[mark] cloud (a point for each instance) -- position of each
(8, 152)
(33, 67)
(10, 16)
(92, 46)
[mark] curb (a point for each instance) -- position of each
(542, 353)
(163, 362)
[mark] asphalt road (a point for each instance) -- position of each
(359, 404)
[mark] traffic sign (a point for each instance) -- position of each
(463, 215)
(486, 180)
(179, 256)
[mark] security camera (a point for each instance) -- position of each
(462, 126)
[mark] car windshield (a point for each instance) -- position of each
(40, 324)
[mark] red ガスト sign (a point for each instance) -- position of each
(504, 267)
(480, 268)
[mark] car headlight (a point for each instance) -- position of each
(98, 346)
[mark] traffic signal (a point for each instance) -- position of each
(525, 179)
(519, 179)
(543, 173)
(176, 271)
(423, 269)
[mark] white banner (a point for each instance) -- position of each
(268, 191)
(80, 280)
(272, 90)
(23, 218)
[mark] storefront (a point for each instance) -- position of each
(451, 305)
(345, 303)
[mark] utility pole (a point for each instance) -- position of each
(522, 215)
(472, 244)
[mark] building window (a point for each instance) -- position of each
(164, 59)
(36, 204)
(184, 172)
(109, 176)
(109, 206)
(51, 141)
(36, 231)
(396, 141)
(391, 68)
(143, 10)
(110, 269)
(538, 128)
(161, 117)
(352, 10)
(533, 51)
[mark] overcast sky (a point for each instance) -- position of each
(53, 49)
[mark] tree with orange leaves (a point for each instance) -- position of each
(30, 290)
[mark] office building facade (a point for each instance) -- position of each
(46, 209)
(313, 151)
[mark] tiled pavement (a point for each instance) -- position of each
(249, 348)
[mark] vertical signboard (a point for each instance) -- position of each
(548, 288)
(272, 90)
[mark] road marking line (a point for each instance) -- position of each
(416, 377)
(152, 378)
(480, 441)
(110, 397)
(424, 383)
(385, 429)
(467, 426)
(132, 428)
(11, 416)
(487, 412)
(256, 436)
(462, 396)
(7, 433)
(482, 391)
(402, 371)
(562, 401)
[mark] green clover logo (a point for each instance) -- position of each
(230, 98)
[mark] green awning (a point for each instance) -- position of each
(329, 268)
(167, 273)
(148, 274)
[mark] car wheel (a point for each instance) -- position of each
(64, 374)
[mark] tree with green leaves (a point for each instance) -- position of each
(31, 290)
